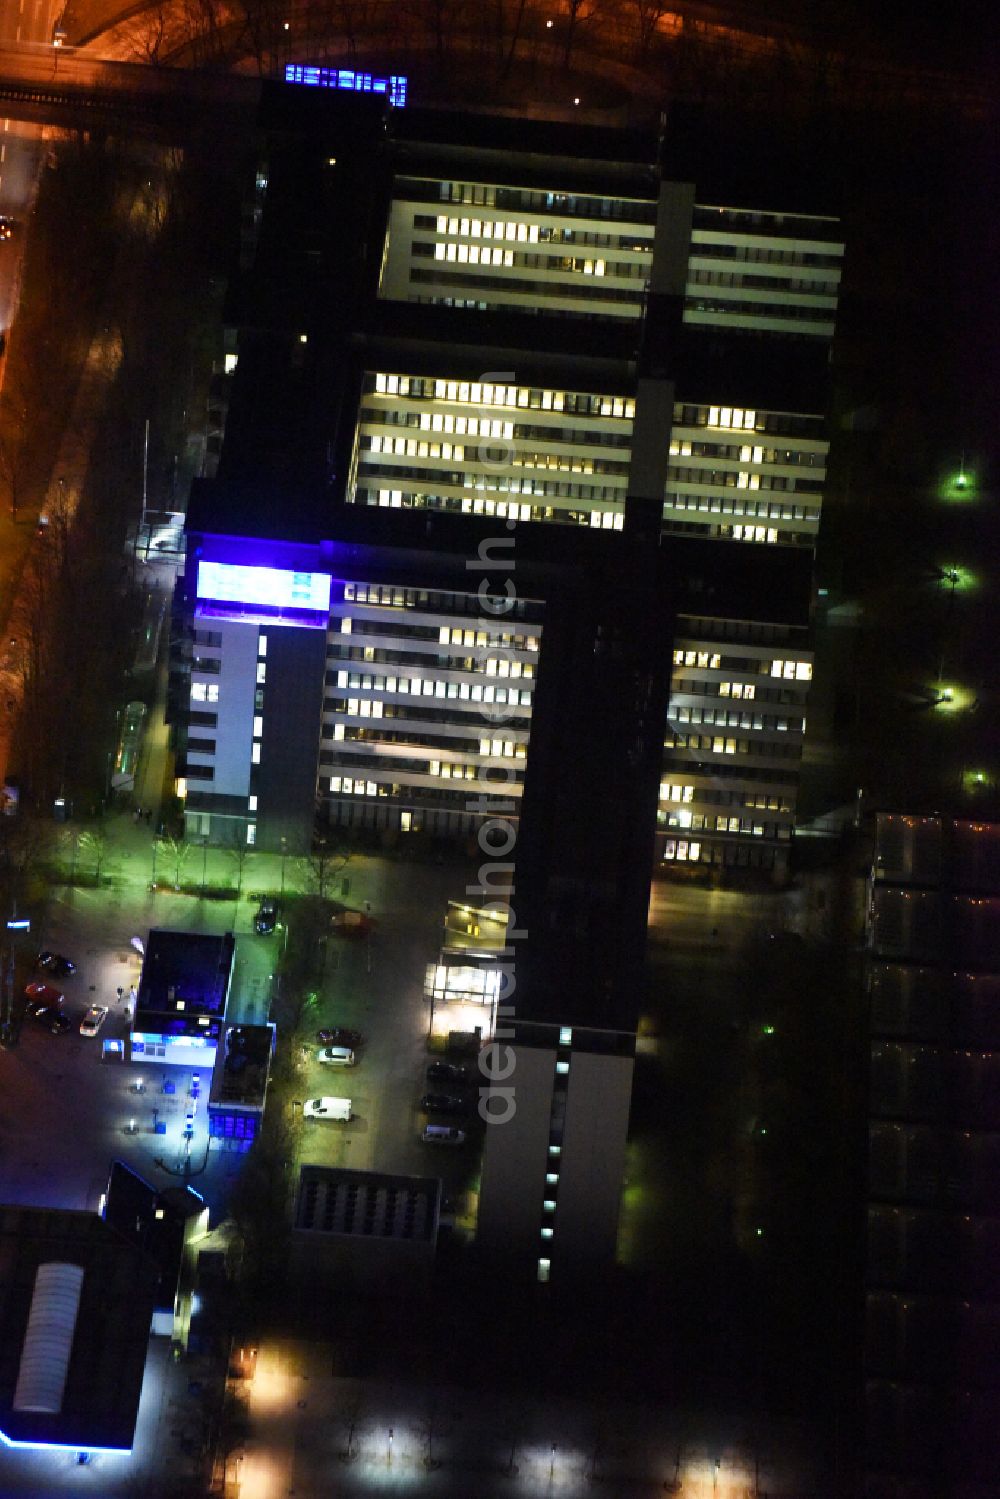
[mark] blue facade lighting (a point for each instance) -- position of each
(271, 588)
(393, 86)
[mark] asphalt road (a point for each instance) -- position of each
(27, 25)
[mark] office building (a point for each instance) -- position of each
(475, 343)
(932, 1329)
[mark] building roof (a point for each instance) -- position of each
(239, 1077)
(155, 1221)
(367, 1205)
(185, 973)
(110, 1333)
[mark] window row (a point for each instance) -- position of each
(745, 453)
(739, 308)
(425, 687)
(532, 200)
(543, 234)
(775, 284)
(542, 289)
(485, 393)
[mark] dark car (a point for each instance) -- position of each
(340, 1035)
(267, 918)
(52, 1019)
(443, 1103)
(55, 963)
(446, 1072)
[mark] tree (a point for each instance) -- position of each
(647, 15)
(94, 841)
(177, 852)
(323, 865)
(578, 12)
(16, 458)
(238, 851)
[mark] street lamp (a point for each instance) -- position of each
(284, 850)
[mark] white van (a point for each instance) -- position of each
(443, 1134)
(336, 1056)
(338, 1109)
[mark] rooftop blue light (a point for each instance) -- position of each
(394, 85)
(276, 588)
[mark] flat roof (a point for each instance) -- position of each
(185, 973)
(241, 1067)
(367, 1204)
(111, 1333)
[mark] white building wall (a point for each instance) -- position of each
(427, 707)
(738, 713)
(485, 245)
(480, 448)
(229, 693)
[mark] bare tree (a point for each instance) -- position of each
(323, 865)
(578, 13)
(647, 15)
(238, 852)
(16, 458)
(94, 841)
(177, 852)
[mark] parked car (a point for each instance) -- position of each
(55, 963)
(351, 924)
(336, 1056)
(43, 994)
(93, 1020)
(338, 1109)
(267, 917)
(52, 1019)
(443, 1134)
(447, 1072)
(444, 1103)
(340, 1035)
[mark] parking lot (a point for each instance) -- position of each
(65, 1113)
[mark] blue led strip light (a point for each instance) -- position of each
(394, 86)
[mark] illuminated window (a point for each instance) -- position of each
(262, 645)
(251, 832)
(555, 1150)
(258, 727)
(562, 1068)
(549, 1205)
(252, 802)
(552, 1177)
(255, 752)
(566, 1036)
(547, 1233)
(261, 671)
(544, 1267)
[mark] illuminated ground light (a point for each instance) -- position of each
(951, 699)
(974, 782)
(958, 579)
(959, 485)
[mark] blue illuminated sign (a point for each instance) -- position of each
(393, 86)
(272, 588)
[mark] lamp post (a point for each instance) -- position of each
(204, 861)
(284, 850)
